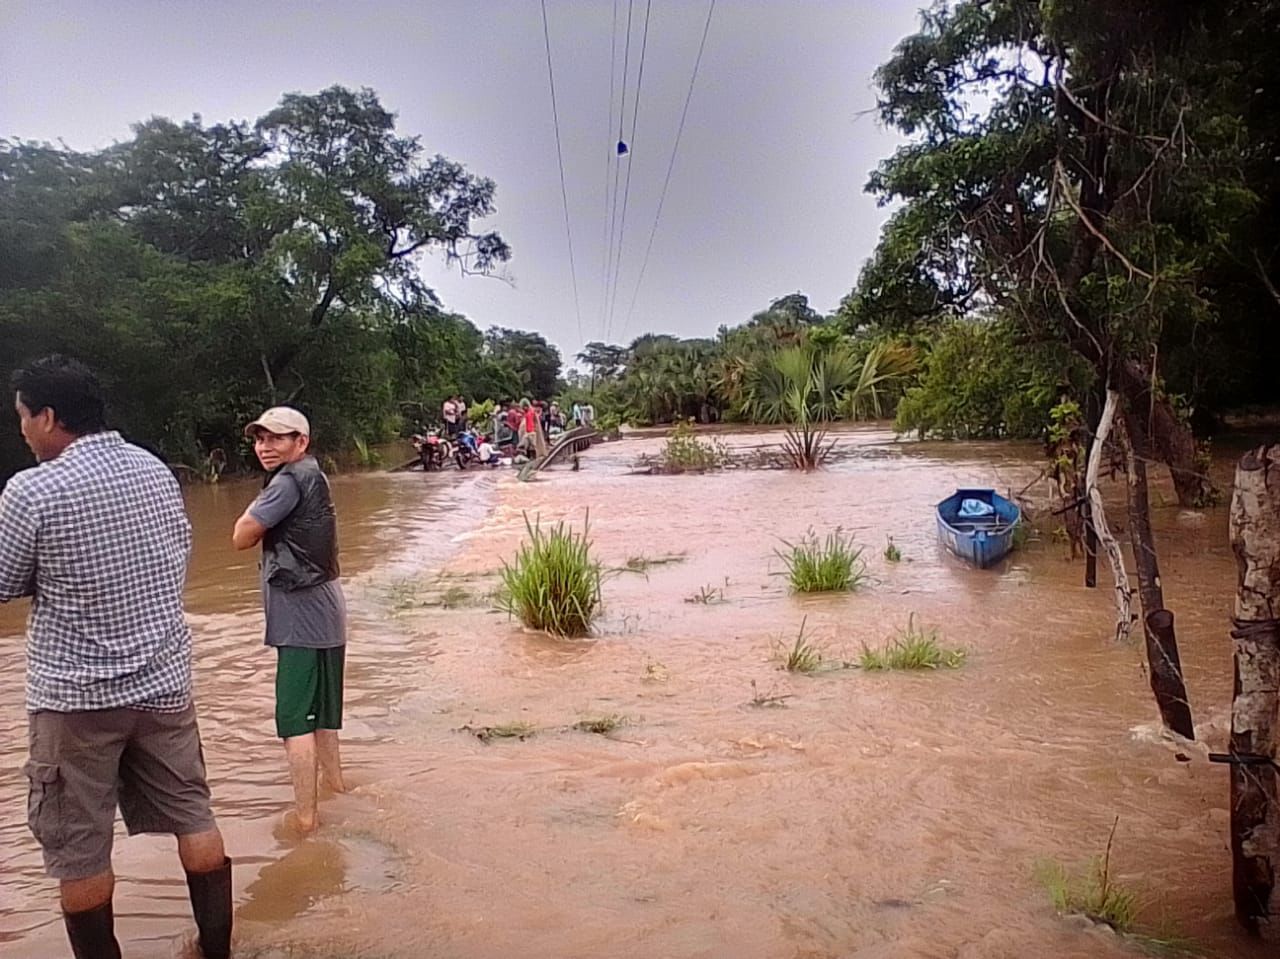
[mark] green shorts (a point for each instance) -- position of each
(308, 690)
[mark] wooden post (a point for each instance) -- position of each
(1166, 673)
(1255, 706)
(1163, 663)
(1123, 591)
(1090, 549)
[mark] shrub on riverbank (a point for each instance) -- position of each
(553, 584)
(833, 564)
(685, 453)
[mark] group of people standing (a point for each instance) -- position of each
(97, 535)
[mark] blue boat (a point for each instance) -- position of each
(977, 525)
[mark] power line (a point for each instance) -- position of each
(564, 193)
(605, 248)
(617, 171)
(626, 191)
(670, 165)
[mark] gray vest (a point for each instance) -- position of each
(303, 550)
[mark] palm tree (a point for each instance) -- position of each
(808, 387)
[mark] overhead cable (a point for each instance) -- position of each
(626, 190)
(564, 193)
(617, 170)
(670, 166)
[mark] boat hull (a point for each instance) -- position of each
(982, 541)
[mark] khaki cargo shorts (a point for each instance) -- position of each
(83, 765)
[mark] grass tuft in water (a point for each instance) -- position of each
(600, 725)
(891, 552)
(553, 584)
(770, 699)
(514, 730)
(707, 596)
(913, 648)
(832, 564)
(642, 564)
(455, 597)
(1094, 893)
(803, 656)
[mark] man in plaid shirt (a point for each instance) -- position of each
(97, 535)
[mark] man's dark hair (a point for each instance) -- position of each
(67, 387)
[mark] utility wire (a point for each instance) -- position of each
(670, 166)
(564, 193)
(608, 159)
(617, 170)
(626, 190)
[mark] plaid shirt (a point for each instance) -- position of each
(99, 537)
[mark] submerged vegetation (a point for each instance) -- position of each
(600, 725)
(912, 648)
(553, 584)
(832, 564)
(685, 453)
(802, 656)
(1093, 892)
(518, 729)
(642, 564)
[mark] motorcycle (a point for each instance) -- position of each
(466, 452)
(433, 449)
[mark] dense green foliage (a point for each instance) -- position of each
(979, 381)
(208, 270)
(1102, 178)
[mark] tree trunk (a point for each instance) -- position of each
(1170, 436)
(1163, 663)
(1255, 707)
(1098, 515)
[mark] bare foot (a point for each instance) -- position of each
(339, 787)
(294, 826)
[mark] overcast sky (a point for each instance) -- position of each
(766, 194)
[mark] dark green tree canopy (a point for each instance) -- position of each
(208, 270)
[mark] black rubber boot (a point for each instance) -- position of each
(211, 904)
(92, 933)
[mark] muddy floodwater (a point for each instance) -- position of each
(877, 816)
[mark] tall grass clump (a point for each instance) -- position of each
(553, 584)
(913, 648)
(833, 564)
(1093, 893)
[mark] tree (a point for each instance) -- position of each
(534, 361)
(1094, 171)
(207, 270)
(791, 310)
(604, 360)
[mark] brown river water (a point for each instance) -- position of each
(877, 816)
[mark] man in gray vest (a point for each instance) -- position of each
(294, 520)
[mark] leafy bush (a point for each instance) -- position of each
(553, 584)
(684, 452)
(980, 381)
(833, 564)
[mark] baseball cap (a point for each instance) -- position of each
(280, 420)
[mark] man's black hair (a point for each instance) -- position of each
(67, 387)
